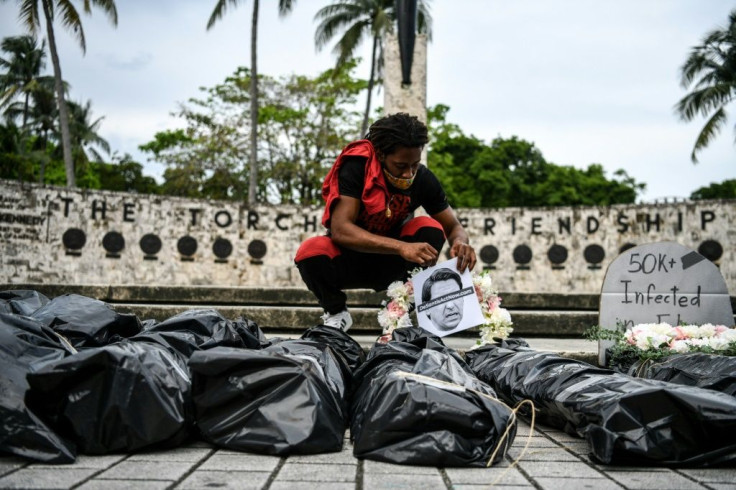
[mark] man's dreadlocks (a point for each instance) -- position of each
(400, 129)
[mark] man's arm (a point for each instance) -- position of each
(347, 234)
(457, 238)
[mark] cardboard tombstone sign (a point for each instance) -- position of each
(662, 282)
(445, 299)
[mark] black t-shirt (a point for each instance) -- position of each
(426, 192)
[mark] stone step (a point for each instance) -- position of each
(279, 296)
(297, 318)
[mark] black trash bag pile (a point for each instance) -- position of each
(417, 402)
(21, 301)
(86, 322)
(625, 420)
(134, 393)
(708, 371)
(26, 346)
(288, 398)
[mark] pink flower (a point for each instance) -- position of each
(478, 292)
(680, 334)
(409, 288)
(720, 329)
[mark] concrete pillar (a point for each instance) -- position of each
(411, 99)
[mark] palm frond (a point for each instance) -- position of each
(70, 20)
(709, 131)
(107, 6)
(286, 6)
(29, 15)
(219, 11)
(705, 100)
(348, 43)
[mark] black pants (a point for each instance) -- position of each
(327, 269)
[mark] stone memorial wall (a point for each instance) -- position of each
(71, 236)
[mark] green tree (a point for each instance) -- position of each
(22, 72)
(513, 172)
(711, 71)
(124, 174)
(716, 190)
(303, 124)
(285, 6)
(69, 18)
(357, 19)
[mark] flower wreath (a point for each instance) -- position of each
(396, 311)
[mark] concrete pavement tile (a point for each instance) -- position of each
(180, 454)
(240, 462)
(487, 476)
(534, 441)
(431, 479)
(722, 486)
(85, 461)
(244, 480)
(316, 472)
(46, 478)
(470, 486)
(543, 454)
(559, 469)
(125, 485)
(379, 467)
(325, 485)
(343, 457)
(715, 475)
(577, 484)
(563, 437)
(653, 479)
(10, 464)
(144, 470)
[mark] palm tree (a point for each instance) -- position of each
(285, 6)
(22, 72)
(84, 132)
(358, 19)
(31, 17)
(711, 70)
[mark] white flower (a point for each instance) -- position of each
(706, 331)
(396, 289)
(729, 335)
(680, 346)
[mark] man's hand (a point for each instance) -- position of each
(423, 254)
(465, 255)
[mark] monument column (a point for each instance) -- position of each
(409, 98)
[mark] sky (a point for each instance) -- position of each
(585, 81)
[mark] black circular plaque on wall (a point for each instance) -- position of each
(113, 242)
(222, 248)
(187, 245)
(594, 254)
(711, 250)
(557, 254)
(74, 239)
(257, 249)
(150, 244)
(522, 254)
(489, 254)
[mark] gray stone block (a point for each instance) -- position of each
(144, 470)
(577, 484)
(316, 473)
(240, 462)
(486, 476)
(715, 475)
(125, 485)
(241, 480)
(431, 479)
(180, 454)
(325, 485)
(388, 468)
(542, 454)
(647, 480)
(559, 469)
(38, 477)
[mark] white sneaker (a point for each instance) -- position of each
(341, 321)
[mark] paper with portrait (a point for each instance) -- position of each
(445, 299)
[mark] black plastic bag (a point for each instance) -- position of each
(708, 371)
(417, 403)
(288, 398)
(121, 397)
(203, 329)
(21, 301)
(342, 343)
(86, 322)
(625, 420)
(27, 345)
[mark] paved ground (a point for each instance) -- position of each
(553, 460)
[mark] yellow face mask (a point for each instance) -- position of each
(399, 182)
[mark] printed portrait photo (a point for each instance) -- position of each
(446, 300)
